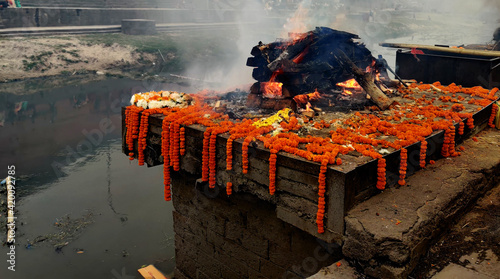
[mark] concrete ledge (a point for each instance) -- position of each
(138, 27)
(387, 234)
(47, 16)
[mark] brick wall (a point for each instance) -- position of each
(217, 236)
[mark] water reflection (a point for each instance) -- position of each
(44, 132)
(66, 146)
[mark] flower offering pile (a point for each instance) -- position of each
(418, 112)
(161, 99)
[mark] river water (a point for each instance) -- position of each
(83, 209)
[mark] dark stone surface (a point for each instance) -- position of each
(388, 233)
(239, 237)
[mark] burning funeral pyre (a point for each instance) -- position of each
(325, 61)
(418, 112)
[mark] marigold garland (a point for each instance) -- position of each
(205, 155)
(165, 142)
(132, 114)
(141, 139)
(381, 172)
(244, 153)
(491, 121)
(364, 133)
(272, 171)
(182, 141)
(176, 149)
(492, 93)
(461, 127)
(403, 166)
(229, 188)
(212, 165)
(321, 199)
(423, 153)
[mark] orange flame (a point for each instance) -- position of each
(351, 83)
(304, 99)
(271, 89)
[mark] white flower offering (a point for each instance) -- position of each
(161, 99)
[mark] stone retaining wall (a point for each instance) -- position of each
(239, 236)
(48, 17)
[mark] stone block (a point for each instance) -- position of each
(239, 253)
(248, 239)
(215, 223)
(253, 274)
(183, 223)
(276, 230)
(270, 269)
(306, 225)
(209, 265)
(185, 252)
(179, 274)
(138, 27)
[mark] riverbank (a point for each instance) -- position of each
(26, 58)
(98, 56)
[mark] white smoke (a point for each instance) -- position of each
(449, 22)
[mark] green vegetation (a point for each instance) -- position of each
(67, 60)
(73, 52)
(37, 62)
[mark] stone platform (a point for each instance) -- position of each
(387, 234)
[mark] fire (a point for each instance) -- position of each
(271, 89)
(300, 56)
(351, 83)
(304, 99)
(309, 107)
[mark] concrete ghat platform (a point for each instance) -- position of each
(386, 235)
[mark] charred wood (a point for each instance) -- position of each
(366, 81)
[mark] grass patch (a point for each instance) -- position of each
(36, 62)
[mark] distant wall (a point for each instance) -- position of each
(43, 17)
(102, 4)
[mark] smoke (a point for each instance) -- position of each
(233, 73)
(451, 22)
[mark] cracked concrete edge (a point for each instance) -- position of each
(395, 254)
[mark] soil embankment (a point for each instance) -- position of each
(25, 58)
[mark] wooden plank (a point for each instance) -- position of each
(463, 51)
(150, 272)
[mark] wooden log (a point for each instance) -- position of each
(257, 61)
(464, 51)
(365, 80)
(290, 52)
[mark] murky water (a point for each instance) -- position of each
(76, 189)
